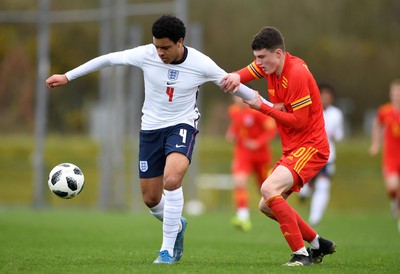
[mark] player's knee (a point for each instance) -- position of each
(172, 182)
(265, 209)
(151, 200)
(269, 190)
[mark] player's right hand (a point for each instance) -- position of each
(230, 82)
(56, 80)
(280, 106)
(256, 102)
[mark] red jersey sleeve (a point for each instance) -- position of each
(297, 119)
(249, 73)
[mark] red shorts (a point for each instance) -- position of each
(249, 165)
(304, 163)
(391, 167)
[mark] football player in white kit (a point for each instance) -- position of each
(173, 74)
(319, 187)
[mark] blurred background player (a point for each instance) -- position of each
(251, 132)
(387, 122)
(318, 188)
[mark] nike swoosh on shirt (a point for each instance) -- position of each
(179, 146)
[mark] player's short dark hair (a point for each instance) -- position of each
(168, 26)
(268, 38)
(327, 88)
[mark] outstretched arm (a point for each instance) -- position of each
(98, 63)
(248, 94)
(244, 75)
(232, 83)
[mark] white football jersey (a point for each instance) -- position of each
(171, 90)
(334, 126)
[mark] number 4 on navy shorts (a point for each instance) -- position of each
(155, 145)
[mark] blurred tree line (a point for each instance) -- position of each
(353, 45)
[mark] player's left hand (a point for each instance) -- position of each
(230, 82)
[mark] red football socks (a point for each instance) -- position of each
(287, 218)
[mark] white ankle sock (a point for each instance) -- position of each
(301, 251)
(315, 243)
(158, 210)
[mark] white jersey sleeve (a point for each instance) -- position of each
(334, 126)
(171, 90)
(244, 92)
(120, 58)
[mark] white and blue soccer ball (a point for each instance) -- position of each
(66, 180)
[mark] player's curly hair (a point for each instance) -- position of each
(168, 26)
(268, 38)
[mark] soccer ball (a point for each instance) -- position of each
(66, 180)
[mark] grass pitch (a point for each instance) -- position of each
(87, 241)
(68, 237)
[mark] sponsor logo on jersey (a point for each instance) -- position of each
(143, 166)
(173, 74)
(285, 82)
(271, 91)
(179, 146)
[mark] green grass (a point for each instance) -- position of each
(72, 236)
(85, 241)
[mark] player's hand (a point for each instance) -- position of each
(56, 80)
(280, 106)
(256, 102)
(230, 82)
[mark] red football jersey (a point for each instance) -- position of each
(296, 88)
(390, 119)
(250, 125)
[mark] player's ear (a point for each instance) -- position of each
(279, 53)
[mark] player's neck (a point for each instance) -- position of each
(280, 67)
(181, 55)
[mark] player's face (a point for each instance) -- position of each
(326, 98)
(269, 61)
(395, 94)
(167, 50)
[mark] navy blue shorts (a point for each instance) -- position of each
(328, 170)
(155, 145)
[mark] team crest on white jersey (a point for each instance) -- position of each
(173, 74)
(143, 166)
